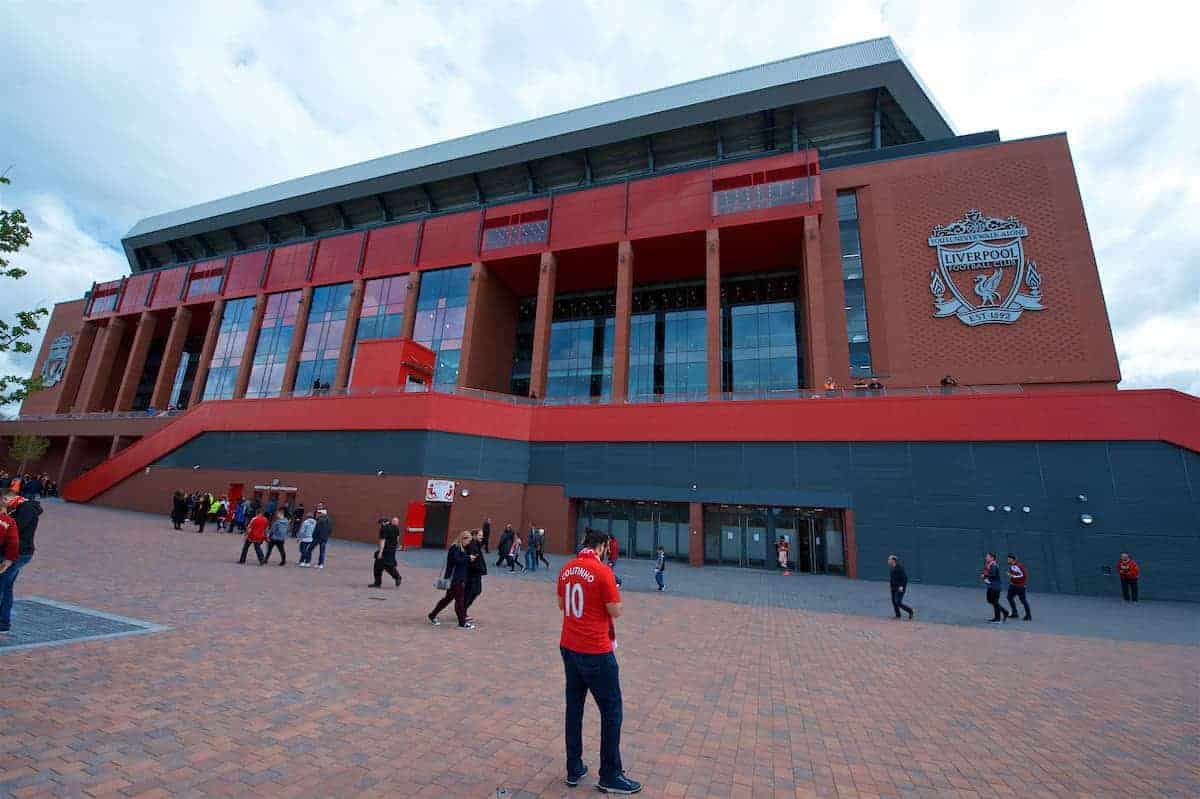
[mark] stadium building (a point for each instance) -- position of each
(704, 317)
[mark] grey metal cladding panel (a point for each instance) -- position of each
(1169, 567)
(823, 467)
(720, 466)
(882, 469)
(674, 464)
(949, 512)
(584, 462)
(547, 464)
(942, 469)
(875, 542)
(1148, 470)
(1191, 464)
(629, 463)
(1010, 468)
(453, 455)
(770, 464)
(952, 556)
(504, 460)
(1071, 468)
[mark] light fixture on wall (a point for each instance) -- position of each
(1008, 508)
(1025, 508)
(196, 467)
(695, 487)
(1081, 498)
(466, 492)
(1086, 519)
(379, 473)
(991, 508)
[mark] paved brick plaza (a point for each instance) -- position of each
(289, 682)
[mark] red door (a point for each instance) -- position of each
(414, 525)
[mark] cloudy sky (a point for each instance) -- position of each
(110, 112)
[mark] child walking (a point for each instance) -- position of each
(660, 565)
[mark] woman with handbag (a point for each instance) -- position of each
(454, 582)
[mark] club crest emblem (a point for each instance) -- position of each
(56, 361)
(982, 267)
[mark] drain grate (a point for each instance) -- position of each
(37, 622)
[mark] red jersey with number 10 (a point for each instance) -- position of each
(586, 587)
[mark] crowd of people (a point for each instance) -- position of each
(260, 522)
(31, 486)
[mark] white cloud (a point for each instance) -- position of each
(121, 111)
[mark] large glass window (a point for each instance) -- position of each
(274, 341)
(231, 343)
(523, 347)
(323, 338)
(382, 313)
(581, 347)
(441, 314)
(852, 281)
(760, 351)
(185, 373)
(667, 353)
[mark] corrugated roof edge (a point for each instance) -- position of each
(795, 69)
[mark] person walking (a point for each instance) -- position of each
(1017, 578)
(19, 518)
(178, 510)
(505, 545)
(660, 566)
(590, 604)
(514, 554)
(278, 535)
(994, 583)
(223, 515)
(541, 547)
(486, 531)
(1129, 572)
(297, 519)
(256, 533)
(457, 559)
(898, 580)
(783, 551)
(307, 528)
(531, 550)
(385, 554)
(614, 550)
(476, 569)
(321, 533)
(200, 511)
(241, 510)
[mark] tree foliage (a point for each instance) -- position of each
(15, 235)
(27, 448)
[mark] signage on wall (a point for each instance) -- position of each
(981, 264)
(439, 491)
(56, 361)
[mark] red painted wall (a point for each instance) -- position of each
(584, 218)
(67, 317)
(390, 250)
(449, 240)
(245, 273)
(337, 258)
(289, 267)
(170, 283)
(136, 290)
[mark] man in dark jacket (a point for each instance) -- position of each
(994, 584)
(899, 583)
(505, 544)
(385, 555)
(476, 568)
(25, 513)
(1018, 577)
(487, 533)
(321, 534)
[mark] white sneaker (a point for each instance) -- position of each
(321, 566)
(302, 565)
(467, 626)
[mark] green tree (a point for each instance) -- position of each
(14, 235)
(27, 448)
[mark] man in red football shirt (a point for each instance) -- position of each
(1018, 577)
(589, 601)
(256, 533)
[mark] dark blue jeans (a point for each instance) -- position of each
(7, 581)
(598, 674)
(658, 578)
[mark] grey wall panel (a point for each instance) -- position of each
(1144, 470)
(451, 455)
(771, 464)
(876, 542)
(942, 469)
(721, 465)
(952, 556)
(629, 463)
(584, 463)
(1014, 467)
(547, 463)
(502, 459)
(882, 469)
(1070, 468)
(823, 467)
(673, 464)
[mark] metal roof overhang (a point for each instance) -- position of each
(827, 73)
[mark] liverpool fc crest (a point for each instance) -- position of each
(981, 265)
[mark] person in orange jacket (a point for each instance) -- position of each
(1129, 572)
(256, 533)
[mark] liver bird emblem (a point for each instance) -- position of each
(987, 287)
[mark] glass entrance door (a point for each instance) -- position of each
(738, 537)
(748, 536)
(639, 526)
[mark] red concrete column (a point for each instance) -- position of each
(136, 363)
(106, 360)
(814, 306)
(624, 311)
(410, 305)
(66, 469)
(543, 319)
(470, 324)
(851, 543)
(243, 378)
(346, 352)
(712, 308)
(299, 333)
(171, 355)
(77, 361)
(696, 534)
(206, 352)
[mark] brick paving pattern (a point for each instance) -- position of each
(287, 682)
